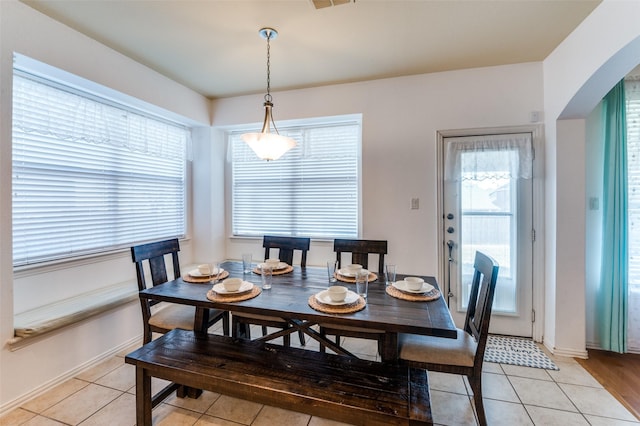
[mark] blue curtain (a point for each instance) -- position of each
(612, 297)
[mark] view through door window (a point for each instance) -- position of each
(488, 201)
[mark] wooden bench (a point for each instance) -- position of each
(335, 387)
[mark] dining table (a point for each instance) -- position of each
(290, 298)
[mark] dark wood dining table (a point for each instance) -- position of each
(288, 299)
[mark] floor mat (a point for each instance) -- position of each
(516, 351)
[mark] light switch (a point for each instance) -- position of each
(415, 203)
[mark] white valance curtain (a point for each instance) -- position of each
(514, 161)
(80, 119)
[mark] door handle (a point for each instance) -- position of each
(450, 245)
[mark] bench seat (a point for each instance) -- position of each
(53, 316)
(335, 387)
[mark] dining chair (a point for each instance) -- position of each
(286, 248)
(465, 354)
(360, 250)
(166, 316)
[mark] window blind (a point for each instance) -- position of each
(632, 100)
(90, 176)
(311, 191)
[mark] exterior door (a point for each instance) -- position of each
(488, 204)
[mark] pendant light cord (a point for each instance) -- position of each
(268, 97)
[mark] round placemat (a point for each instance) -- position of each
(425, 297)
(286, 270)
(215, 297)
(372, 277)
(203, 280)
(340, 309)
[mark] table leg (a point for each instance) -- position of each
(143, 397)
(201, 320)
(390, 348)
(305, 327)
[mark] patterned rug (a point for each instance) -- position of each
(516, 351)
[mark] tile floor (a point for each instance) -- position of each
(105, 395)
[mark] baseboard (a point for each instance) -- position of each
(10, 405)
(570, 353)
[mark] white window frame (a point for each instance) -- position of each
(289, 128)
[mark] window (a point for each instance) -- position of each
(90, 175)
(632, 98)
(311, 191)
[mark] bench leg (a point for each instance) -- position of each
(143, 397)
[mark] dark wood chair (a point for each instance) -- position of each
(171, 315)
(360, 250)
(465, 354)
(286, 247)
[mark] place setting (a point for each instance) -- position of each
(204, 274)
(274, 265)
(349, 272)
(233, 290)
(413, 289)
(337, 299)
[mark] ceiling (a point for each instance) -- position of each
(213, 46)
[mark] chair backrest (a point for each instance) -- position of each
(483, 287)
(360, 250)
(286, 246)
(154, 253)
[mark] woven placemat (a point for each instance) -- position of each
(203, 280)
(286, 270)
(425, 297)
(349, 308)
(216, 297)
(372, 277)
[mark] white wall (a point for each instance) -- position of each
(593, 225)
(51, 358)
(400, 118)
(577, 75)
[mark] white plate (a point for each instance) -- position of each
(244, 287)
(279, 266)
(195, 273)
(346, 273)
(402, 286)
(323, 297)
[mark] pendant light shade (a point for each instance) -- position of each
(268, 145)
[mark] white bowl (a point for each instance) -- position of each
(337, 293)
(204, 269)
(232, 284)
(354, 268)
(414, 283)
(272, 262)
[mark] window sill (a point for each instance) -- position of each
(42, 320)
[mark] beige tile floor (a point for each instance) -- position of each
(105, 395)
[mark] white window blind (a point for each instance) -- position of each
(311, 191)
(632, 98)
(90, 175)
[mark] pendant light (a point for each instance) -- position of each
(267, 145)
